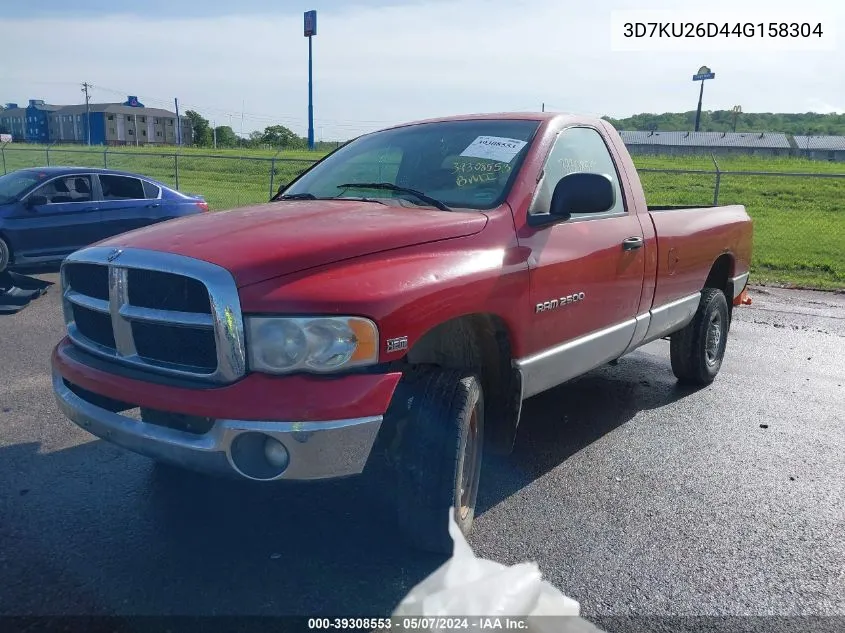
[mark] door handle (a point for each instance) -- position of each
(632, 243)
(154, 205)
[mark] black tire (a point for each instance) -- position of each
(438, 421)
(5, 255)
(697, 350)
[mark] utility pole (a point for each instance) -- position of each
(178, 123)
(214, 131)
(85, 87)
(543, 107)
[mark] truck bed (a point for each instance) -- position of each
(690, 238)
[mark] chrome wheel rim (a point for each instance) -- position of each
(470, 460)
(714, 338)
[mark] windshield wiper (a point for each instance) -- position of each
(391, 187)
(295, 196)
(311, 196)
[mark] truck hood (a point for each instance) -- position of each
(269, 240)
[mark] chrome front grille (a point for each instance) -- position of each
(162, 312)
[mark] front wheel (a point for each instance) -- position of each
(439, 436)
(697, 350)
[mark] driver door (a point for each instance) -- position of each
(585, 277)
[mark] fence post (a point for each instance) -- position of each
(718, 181)
(176, 168)
(47, 150)
(273, 170)
(272, 174)
(3, 151)
(106, 158)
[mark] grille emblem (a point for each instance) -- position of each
(114, 254)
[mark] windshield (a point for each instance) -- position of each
(14, 184)
(468, 164)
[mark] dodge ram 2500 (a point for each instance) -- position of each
(397, 301)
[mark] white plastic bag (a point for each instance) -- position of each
(466, 585)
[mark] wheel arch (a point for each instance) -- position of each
(483, 343)
(721, 277)
(8, 242)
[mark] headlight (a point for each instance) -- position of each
(280, 345)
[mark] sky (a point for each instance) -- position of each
(244, 63)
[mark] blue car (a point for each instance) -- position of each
(47, 213)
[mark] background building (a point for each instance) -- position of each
(29, 123)
(128, 123)
(680, 143)
(821, 147)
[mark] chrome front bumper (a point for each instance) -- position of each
(316, 450)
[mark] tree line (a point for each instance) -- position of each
(808, 123)
(275, 136)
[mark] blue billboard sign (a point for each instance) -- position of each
(703, 73)
(310, 23)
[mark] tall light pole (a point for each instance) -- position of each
(310, 30)
(702, 74)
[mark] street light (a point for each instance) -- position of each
(703, 73)
(310, 30)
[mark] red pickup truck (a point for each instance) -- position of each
(395, 303)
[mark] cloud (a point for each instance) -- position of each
(379, 65)
(823, 107)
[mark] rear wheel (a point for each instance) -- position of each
(5, 255)
(438, 419)
(697, 350)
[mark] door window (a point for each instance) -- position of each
(577, 149)
(151, 191)
(121, 188)
(66, 189)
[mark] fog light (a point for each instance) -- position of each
(276, 453)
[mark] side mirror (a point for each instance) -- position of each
(279, 191)
(35, 201)
(582, 193)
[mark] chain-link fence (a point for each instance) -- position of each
(225, 181)
(799, 218)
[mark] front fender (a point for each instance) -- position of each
(408, 291)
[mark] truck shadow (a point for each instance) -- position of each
(93, 529)
(562, 421)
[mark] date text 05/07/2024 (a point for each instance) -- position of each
(414, 623)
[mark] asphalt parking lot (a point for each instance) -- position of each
(635, 497)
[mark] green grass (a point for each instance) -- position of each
(799, 223)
